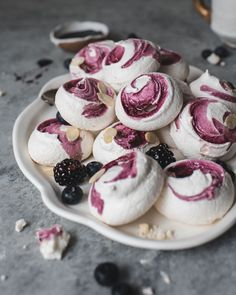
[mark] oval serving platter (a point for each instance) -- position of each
(184, 236)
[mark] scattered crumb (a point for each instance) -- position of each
(222, 63)
(4, 278)
(165, 277)
(148, 291)
(2, 93)
(154, 232)
(25, 247)
(213, 59)
(20, 225)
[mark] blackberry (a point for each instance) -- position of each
(69, 172)
(106, 274)
(161, 154)
(222, 51)
(226, 168)
(206, 53)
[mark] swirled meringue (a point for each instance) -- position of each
(128, 188)
(79, 103)
(149, 102)
(124, 141)
(196, 192)
(48, 144)
(128, 59)
(173, 64)
(211, 87)
(200, 130)
(88, 62)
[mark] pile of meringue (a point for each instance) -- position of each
(126, 97)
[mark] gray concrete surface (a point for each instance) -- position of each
(24, 28)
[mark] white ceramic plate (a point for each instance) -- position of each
(185, 236)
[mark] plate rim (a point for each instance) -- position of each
(46, 189)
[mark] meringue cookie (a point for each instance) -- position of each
(128, 188)
(200, 130)
(211, 87)
(196, 192)
(149, 102)
(84, 105)
(48, 143)
(122, 142)
(128, 59)
(173, 64)
(88, 62)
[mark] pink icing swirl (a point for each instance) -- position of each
(142, 48)
(129, 138)
(169, 57)
(129, 170)
(49, 233)
(210, 129)
(72, 148)
(186, 169)
(93, 55)
(145, 102)
(218, 94)
(87, 89)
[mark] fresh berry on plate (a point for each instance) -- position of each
(61, 120)
(72, 195)
(93, 167)
(69, 172)
(206, 53)
(162, 154)
(122, 289)
(106, 274)
(221, 51)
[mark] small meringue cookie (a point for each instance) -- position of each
(211, 87)
(124, 141)
(128, 188)
(79, 103)
(128, 59)
(88, 62)
(173, 64)
(196, 192)
(151, 101)
(48, 144)
(200, 130)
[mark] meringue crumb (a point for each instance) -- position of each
(148, 291)
(24, 247)
(4, 278)
(20, 225)
(154, 232)
(213, 59)
(223, 63)
(165, 277)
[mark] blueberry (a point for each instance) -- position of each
(93, 167)
(206, 53)
(72, 195)
(106, 274)
(66, 63)
(43, 62)
(61, 120)
(122, 289)
(132, 36)
(221, 51)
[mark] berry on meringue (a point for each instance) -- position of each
(196, 192)
(173, 64)
(211, 87)
(118, 140)
(151, 101)
(86, 103)
(126, 189)
(52, 142)
(205, 129)
(128, 59)
(88, 62)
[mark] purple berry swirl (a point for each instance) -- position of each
(145, 95)
(53, 126)
(209, 127)
(140, 48)
(87, 90)
(186, 168)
